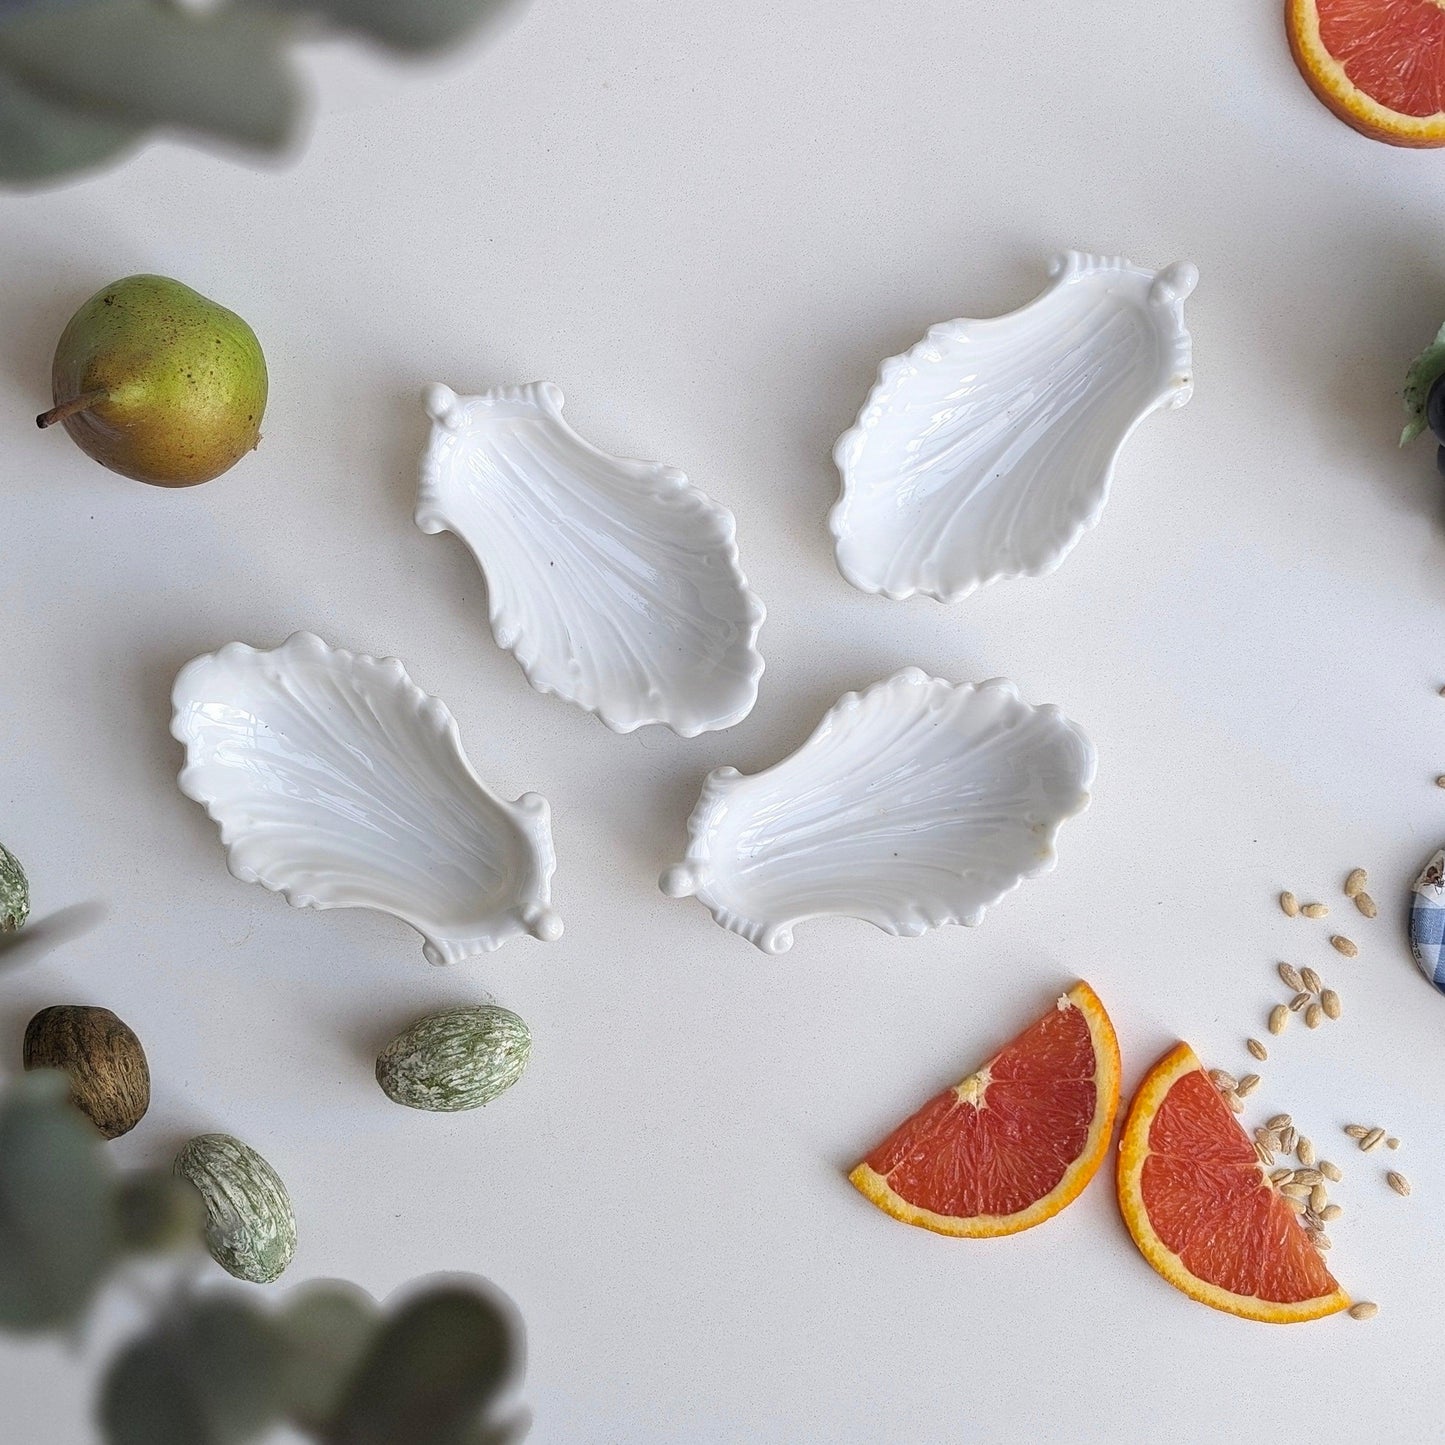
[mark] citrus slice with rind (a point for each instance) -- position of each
(1378, 64)
(1203, 1211)
(1013, 1143)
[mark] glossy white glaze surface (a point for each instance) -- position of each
(615, 583)
(339, 783)
(915, 804)
(987, 450)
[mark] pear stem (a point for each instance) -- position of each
(69, 408)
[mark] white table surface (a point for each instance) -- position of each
(708, 224)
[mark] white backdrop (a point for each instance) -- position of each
(708, 224)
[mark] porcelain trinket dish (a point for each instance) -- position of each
(987, 450)
(339, 783)
(917, 803)
(615, 583)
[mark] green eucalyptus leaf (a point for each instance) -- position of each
(58, 1235)
(328, 1327)
(149, 63)
(407, 24)
(1424, 370)
(211, 1375)
(431, 1375)
(156, 1211)
(40, 139)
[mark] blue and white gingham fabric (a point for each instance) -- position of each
(1427, 921)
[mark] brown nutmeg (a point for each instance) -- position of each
(109, 1078)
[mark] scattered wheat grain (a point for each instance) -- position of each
(1365, 1310)
(1355, 883)
(1330, 1002)
(1257, 1050)
(1344, 946)
(1397, 1182)
(1290, 904)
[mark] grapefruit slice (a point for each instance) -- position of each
(1378, 64)
(1202, 1210)
(1016, 1141)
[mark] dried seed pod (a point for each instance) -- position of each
(14, 892)
(110, 1080)
(1345, 947)
(1330, 1002)
(1290, 904)
(459, 1059)
(250, 1227)
(1293, 981)
(1355, 883)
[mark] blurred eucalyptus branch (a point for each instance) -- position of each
(215, 1367)
(84, 81)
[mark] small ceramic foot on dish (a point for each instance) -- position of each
(616, 584)
(339, 783)
(987, 450)
(917, 803)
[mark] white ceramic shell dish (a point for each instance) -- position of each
(615, 583)
(339, 783)
(917, 803)
(988, 449)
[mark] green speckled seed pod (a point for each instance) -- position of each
(459, 1059)
(250, 1229)
(14, 893)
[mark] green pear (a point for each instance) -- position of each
(158, 383)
